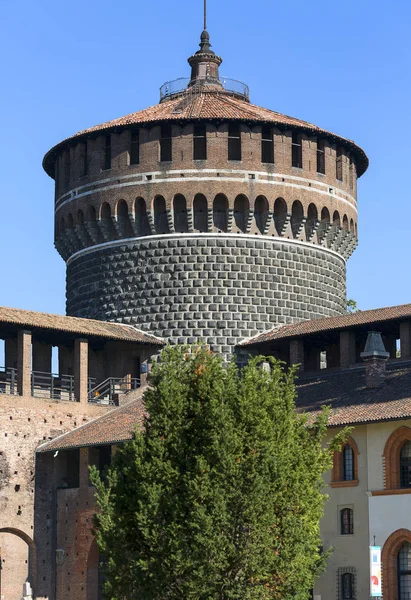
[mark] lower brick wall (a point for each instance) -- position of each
(26, 504)
(216, 288)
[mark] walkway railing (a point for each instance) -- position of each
(107, 391)
(51, 385)
(8, 381)
(178, 86)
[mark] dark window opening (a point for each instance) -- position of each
(339, 164)
(347, 521)
(404, 572)
(321, 156)
(107, 153)
(297, 150)
(234, 142)
(67, 167)
(405, 466)
(348, 463)
(200, 143)
(84, 169)
(347, 586)
(267, 145)
(100, 457)
(68, 469)
(351, 174)
(134, 147)
(166, 149)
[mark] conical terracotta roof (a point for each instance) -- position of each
(206, 105)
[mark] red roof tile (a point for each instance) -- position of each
(81, 327)
(364, 317)
(208, 105)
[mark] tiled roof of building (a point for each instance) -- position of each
(352, 402)
(207, 106)
(75, 325)
(366, 317)
(118, 425)
(345, 392)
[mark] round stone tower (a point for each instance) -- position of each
(205, 217)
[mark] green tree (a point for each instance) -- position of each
(219, 497)
(352, 306)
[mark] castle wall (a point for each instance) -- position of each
(26, 491)
(219, 289)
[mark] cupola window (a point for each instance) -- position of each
(166, 148)
(297, 150)
(267, 145)
(234, 142)
(200, 142)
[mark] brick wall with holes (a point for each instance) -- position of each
(26, 521)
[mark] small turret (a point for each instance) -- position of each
(204, 64)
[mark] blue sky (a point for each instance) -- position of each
(65, 66)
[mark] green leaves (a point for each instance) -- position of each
(220, 496)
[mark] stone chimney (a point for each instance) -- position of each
(375, 358)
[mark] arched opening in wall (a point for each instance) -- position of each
(396, 564)
(312, 218)
(324, 223)
(261, 210)
(62, 226)
(160, 215)
(241, 210)
(143, 226)
(91, 214)
(106, 221)
(297, 215)
(352, 226)
(336, 219)
(70, 221)
(80, 217)
(95, 578)
(280, 215)
(345, 223)
(18, 562)
(180, 214)
(200, 213)
(220, 210)
(356, 230)
(123, 219)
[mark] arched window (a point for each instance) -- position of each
(241, 209)
(160, 215)
(123, 219)
(180, 214)
(336, 219)
(261, 210)
(405, 466)
(404, 572)
(143, 226)
(297, 214)
(345, 466)
(345, 223)
(220, 209)
(200, 213)
(348, 463)
(312, 219)
(280, 215)
(347, 521)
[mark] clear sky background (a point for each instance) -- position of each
(66, 66)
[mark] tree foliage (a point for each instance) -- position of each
(219, 496)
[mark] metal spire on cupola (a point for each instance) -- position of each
(204, 63)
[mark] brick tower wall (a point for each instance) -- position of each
(217, 288)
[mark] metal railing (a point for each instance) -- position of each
(180, 85)
(51, 385)
(8, 381)
(107, 391)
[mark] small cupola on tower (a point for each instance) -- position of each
(204, 64)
